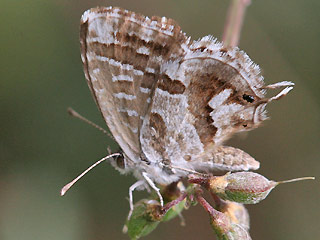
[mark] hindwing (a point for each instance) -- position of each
(200, 101)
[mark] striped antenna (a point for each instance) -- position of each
(75, 114)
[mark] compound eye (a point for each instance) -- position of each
(121, 162)
(248, 98)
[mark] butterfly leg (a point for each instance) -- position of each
(153, 186)
(131, 189)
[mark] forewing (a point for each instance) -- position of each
(122, 53)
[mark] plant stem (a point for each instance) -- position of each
(233, 24)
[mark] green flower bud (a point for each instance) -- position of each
(243, 187)
(147, 214)
(235, 232)
(237, 213)
(223, 224)
(142, 220)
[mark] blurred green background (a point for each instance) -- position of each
(42, 148)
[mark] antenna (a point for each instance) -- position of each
(75, 114)
(70, 184)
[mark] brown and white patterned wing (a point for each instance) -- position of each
(201, 101)
(226, 158)
(122, 53)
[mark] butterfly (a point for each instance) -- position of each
(170, 102)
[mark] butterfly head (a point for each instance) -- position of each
(122, 163)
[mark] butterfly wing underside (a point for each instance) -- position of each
(122, 53)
